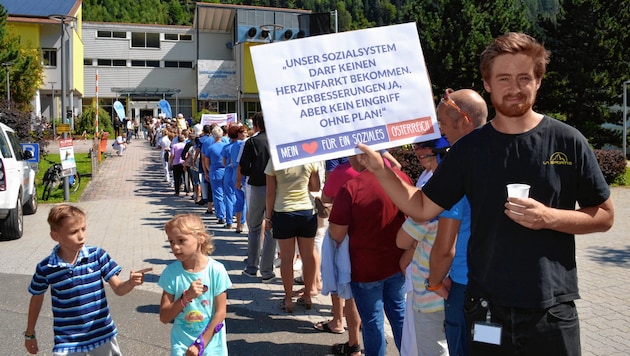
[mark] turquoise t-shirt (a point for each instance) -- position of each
(190, 323)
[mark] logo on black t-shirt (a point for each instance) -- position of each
(558, 158)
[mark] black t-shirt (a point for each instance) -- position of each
(254, 159)
(507, 263)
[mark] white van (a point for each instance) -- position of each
(18, 192)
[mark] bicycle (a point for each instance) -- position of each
(53, 179)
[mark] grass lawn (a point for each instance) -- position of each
(84, 168)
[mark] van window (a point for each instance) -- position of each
(4, 147)
(15, 143)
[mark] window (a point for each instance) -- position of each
(177, 37)
(87, 61)
(141, 63)
(222, 107)
(178, 64)
(104, 62)
(226, 107)
(145, 40)
(112, 62)
(111, 34)
(49, 57)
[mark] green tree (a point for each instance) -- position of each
(177, 13)
(590, 51)
(453, 33)
(85, 122)
(25, 70)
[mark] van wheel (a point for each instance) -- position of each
(30, 207)
(12, 227)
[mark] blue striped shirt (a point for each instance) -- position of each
(82, 320)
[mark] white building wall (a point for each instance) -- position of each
(183, 79)
(216, 46)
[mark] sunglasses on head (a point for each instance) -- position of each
(446, 99)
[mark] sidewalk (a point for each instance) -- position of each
(127, 205)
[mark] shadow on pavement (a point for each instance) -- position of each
(610, 255)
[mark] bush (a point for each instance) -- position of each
(407, 158)
(85, 122)
(612, 164)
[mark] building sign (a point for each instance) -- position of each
(217, 80)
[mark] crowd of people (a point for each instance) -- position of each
(455, 265)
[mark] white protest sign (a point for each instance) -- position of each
(323, 95)
(219, 119)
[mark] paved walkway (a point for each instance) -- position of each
(127, 205)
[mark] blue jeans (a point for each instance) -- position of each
(371, 299)
(554, 331)
(255, 215)
(455, 321)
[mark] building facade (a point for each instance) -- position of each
(54, 27)
(206, 66)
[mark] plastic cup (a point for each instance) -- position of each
(518, 190)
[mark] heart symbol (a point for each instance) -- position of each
(310, 148)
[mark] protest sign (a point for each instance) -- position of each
(323, 95)
(219, 119)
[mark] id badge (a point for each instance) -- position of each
(489, 333)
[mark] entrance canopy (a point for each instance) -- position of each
(146, 92)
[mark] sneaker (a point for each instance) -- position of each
(249, 274)
(269, 279)
(221, 222)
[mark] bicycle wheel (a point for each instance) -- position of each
(48, 186)
(74, 182)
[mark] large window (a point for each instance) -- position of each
(145, 40)
(183, 106)
(226, 107)
(251, 107)
(49, 57)
(221, 107)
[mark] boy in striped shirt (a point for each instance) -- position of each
(75, 274)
